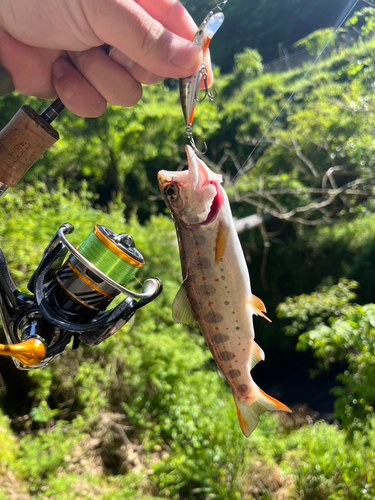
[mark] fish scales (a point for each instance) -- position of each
(216, 288)
(218, 302)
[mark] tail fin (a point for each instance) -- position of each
(248, 412)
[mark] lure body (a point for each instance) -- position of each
(189, 86)
(216, 289)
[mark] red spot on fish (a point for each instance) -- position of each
(227, 328)
(216, 327)
(234, 355)
(198, 253)
(210, 304)
(204, 278)
(230, 366)
(216, 280)
(236, 361)
(200, 264)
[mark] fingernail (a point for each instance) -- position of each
(184, 55)
(58, 69)
(120, 58)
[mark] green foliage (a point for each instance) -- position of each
(121, 152)
(339, 332)
(325, 465)
(262, 25)
(316, 41)
(247, 65)
(41, 455)
(310, 310)
(8, 446)
(153, 378)
(364, 22)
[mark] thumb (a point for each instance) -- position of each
(129, 28)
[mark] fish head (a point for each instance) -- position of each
(193, 196)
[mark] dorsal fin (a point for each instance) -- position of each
(181, 308)
(258, 306)
(257, 355)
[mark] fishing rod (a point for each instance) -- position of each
(71, 289)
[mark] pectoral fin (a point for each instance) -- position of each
(221, 241)
(259, 307)
(182, 311)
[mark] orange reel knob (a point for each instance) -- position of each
(30, 352)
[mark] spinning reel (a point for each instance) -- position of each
(70, 299)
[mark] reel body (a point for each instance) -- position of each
(70, 299)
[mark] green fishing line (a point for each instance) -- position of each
(106, 260)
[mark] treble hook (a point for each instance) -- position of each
(189, 134)
(207, 93)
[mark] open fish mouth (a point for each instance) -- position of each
(215, 207)
(201, 178)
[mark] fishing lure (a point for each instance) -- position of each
(189, 86)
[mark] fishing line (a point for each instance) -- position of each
(244, 165)
(114, 260)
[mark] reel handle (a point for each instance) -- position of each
(30, 352)
(22, 142)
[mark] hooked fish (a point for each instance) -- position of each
(216, 289)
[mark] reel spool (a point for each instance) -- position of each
(114, 255)
(70, 299)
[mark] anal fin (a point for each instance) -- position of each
(257, 354)
(182, 311)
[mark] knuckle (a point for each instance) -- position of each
(154, 39)
(150, 79)
(129, 98)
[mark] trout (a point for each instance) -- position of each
(216, 289)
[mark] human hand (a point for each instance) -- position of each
(52, 48)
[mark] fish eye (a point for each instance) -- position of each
(171, 192)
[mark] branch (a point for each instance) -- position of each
(319, 204)
(305, 160)
(250, 222)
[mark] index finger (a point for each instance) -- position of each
(127, 26)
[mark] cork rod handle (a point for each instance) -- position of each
(22, 142)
